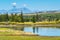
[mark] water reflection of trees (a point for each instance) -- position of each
(35, 29)
(17, 28)
(22, 29)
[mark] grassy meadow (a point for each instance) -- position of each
(28, 38)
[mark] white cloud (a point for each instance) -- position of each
(25, 5)
(14, 4)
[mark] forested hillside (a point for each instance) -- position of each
(29, 18)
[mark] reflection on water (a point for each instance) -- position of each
(17, 28)
(35, 29)
(43, 31)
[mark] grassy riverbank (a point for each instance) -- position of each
(43, 22)
(12, 32)
(28, 38)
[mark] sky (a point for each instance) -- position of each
(31, 4)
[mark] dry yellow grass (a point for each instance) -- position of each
(43, 22)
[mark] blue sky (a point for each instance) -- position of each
(32, 4)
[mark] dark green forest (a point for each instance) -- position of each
(32, 18)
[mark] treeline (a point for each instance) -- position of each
(32, 18)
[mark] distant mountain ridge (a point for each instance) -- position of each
(17, 10)
(25, 10)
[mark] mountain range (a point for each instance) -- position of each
(24, 10)
(17, 10)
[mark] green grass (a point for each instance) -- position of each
(6, 31)
(28, 38)
(12, 32)
(4, 28)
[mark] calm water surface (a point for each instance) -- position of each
(43, 31)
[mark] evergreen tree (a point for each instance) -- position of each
(7, 18)
(37, 17)
(22, 20)
(33, 19)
